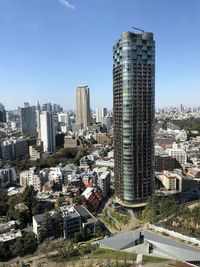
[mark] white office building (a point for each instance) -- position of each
(29, 177)
(47, 131)
(178, 154)
(100, 114)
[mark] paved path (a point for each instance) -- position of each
(121, 226)
(139, 260)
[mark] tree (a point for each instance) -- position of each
(3, 209)
(3, 195)
(18, 248)
(38, 208)
(83, 235)
(5, 253)
(26, 244)
(30, 243)
(23, 217)
(28, 198)
(52, 225)
(60, 201)
(78, 200)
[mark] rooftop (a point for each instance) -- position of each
(178, 250)
(87, 193)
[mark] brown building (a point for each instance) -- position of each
(93, 198)
(163, 142)
(71, 142)
(104, 138)
(83, 106)
(165, 162)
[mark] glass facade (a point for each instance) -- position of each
(133, 90)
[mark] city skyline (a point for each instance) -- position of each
(47, 59)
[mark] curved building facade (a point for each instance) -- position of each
(133, 104)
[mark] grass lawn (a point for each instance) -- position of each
(102, 253)
(153, 259)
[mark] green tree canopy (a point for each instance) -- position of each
(28, 198)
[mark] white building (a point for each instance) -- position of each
(182, 136)
(107, 122)
(105, 163)
(104, 182)
(177, 153)
(100, 114)
(55, 175)
(35, 151)
(168, 179)
(29, 177)
(64, 118)
(65, 123)
(47, 131)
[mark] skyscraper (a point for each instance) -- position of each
(47, 131)
(38, 116)
(100, 114)
(83, 106)
(2, 113)
(28, 122)
(134, 89)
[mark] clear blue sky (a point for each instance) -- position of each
(47, 48)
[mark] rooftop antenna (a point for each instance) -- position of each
(138, 29)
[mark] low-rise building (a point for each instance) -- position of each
(179, 154)
(93, 198)
(194, 172)
(152, 244)
(74, 219)
(104, 138)
(85, 163)
(168, 179)
(8, 231)
(165, 162)
(104, 183)
(55, 176)
(105, 163)
(71, 142)
(30, 177)
(35, 151)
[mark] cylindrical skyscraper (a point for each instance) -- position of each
(133, 104)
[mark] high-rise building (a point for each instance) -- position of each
(134, 89)
(47, 107)
(107, 122)
(7, 150)
(28, 122)
(26, 104)
(56, 108)
(2, 113)
(83, 105)
(47, 131)
(38, 116)
(64, 121)
(100, 114)
(21, 148)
